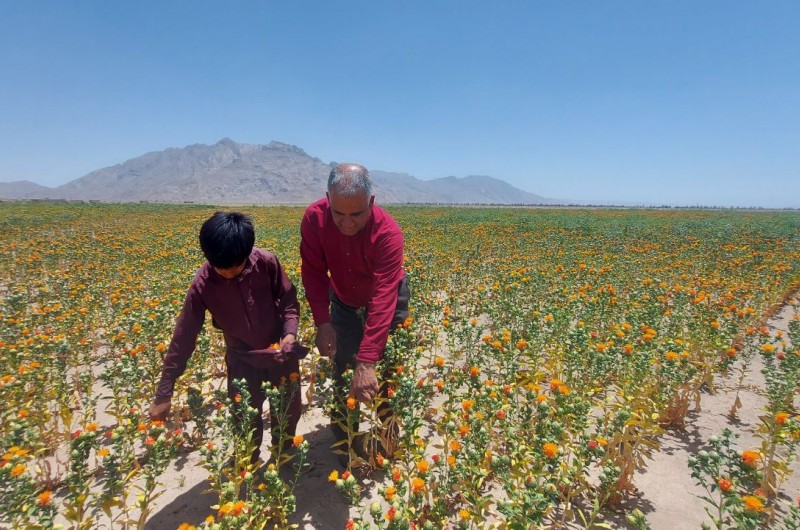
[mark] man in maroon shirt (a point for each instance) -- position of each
(352, 271)
(254, 303)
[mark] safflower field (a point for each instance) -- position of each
(547, 353)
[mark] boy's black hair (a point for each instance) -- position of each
(227, 238)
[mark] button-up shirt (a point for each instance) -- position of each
(364, 270)
(254, 310)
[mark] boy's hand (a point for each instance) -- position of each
(159, 411)
(365, 385)
(288, 340)
(326, 340)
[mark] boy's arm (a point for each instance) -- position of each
(285, 293)
(184, 339)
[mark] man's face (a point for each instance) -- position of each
(350, 214)
(231, 272)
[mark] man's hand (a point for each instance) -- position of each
(365, 385)
(159, 411)
(326, 340)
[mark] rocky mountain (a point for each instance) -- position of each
(23, 189)
(233, 173)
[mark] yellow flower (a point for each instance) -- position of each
(334, 476)
(17, 470)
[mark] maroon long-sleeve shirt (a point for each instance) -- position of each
(365, 270)
(254, 310)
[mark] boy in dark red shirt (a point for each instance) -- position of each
(254, 303)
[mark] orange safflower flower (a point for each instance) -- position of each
(550, 449)
(455, 446)
(521, 344)
(439, 361)
(351, 403)
(500, 414)
(451, 460)
(781, 417)
(391, 513)
(423, 466)
(751, 458)
(334, 476)
(417, 485)
(396, 474)
(671, 356)
(752, 503)
(474, 371)
(724, 484)
(17, 470)
(297, 440)
(554, 384)
(389, 493)
(44, 498)
(467, 404)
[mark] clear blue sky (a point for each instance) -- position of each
(679, 102)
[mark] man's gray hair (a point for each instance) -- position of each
(349, 180)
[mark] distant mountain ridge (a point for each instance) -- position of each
(232, 173)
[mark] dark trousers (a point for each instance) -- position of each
(279, 376)
(348, 322)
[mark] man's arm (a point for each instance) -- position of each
(184, 339)
(314, 270)
(380, 312)
(382, 303)
(314, 273)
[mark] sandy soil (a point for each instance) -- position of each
(667, 494)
